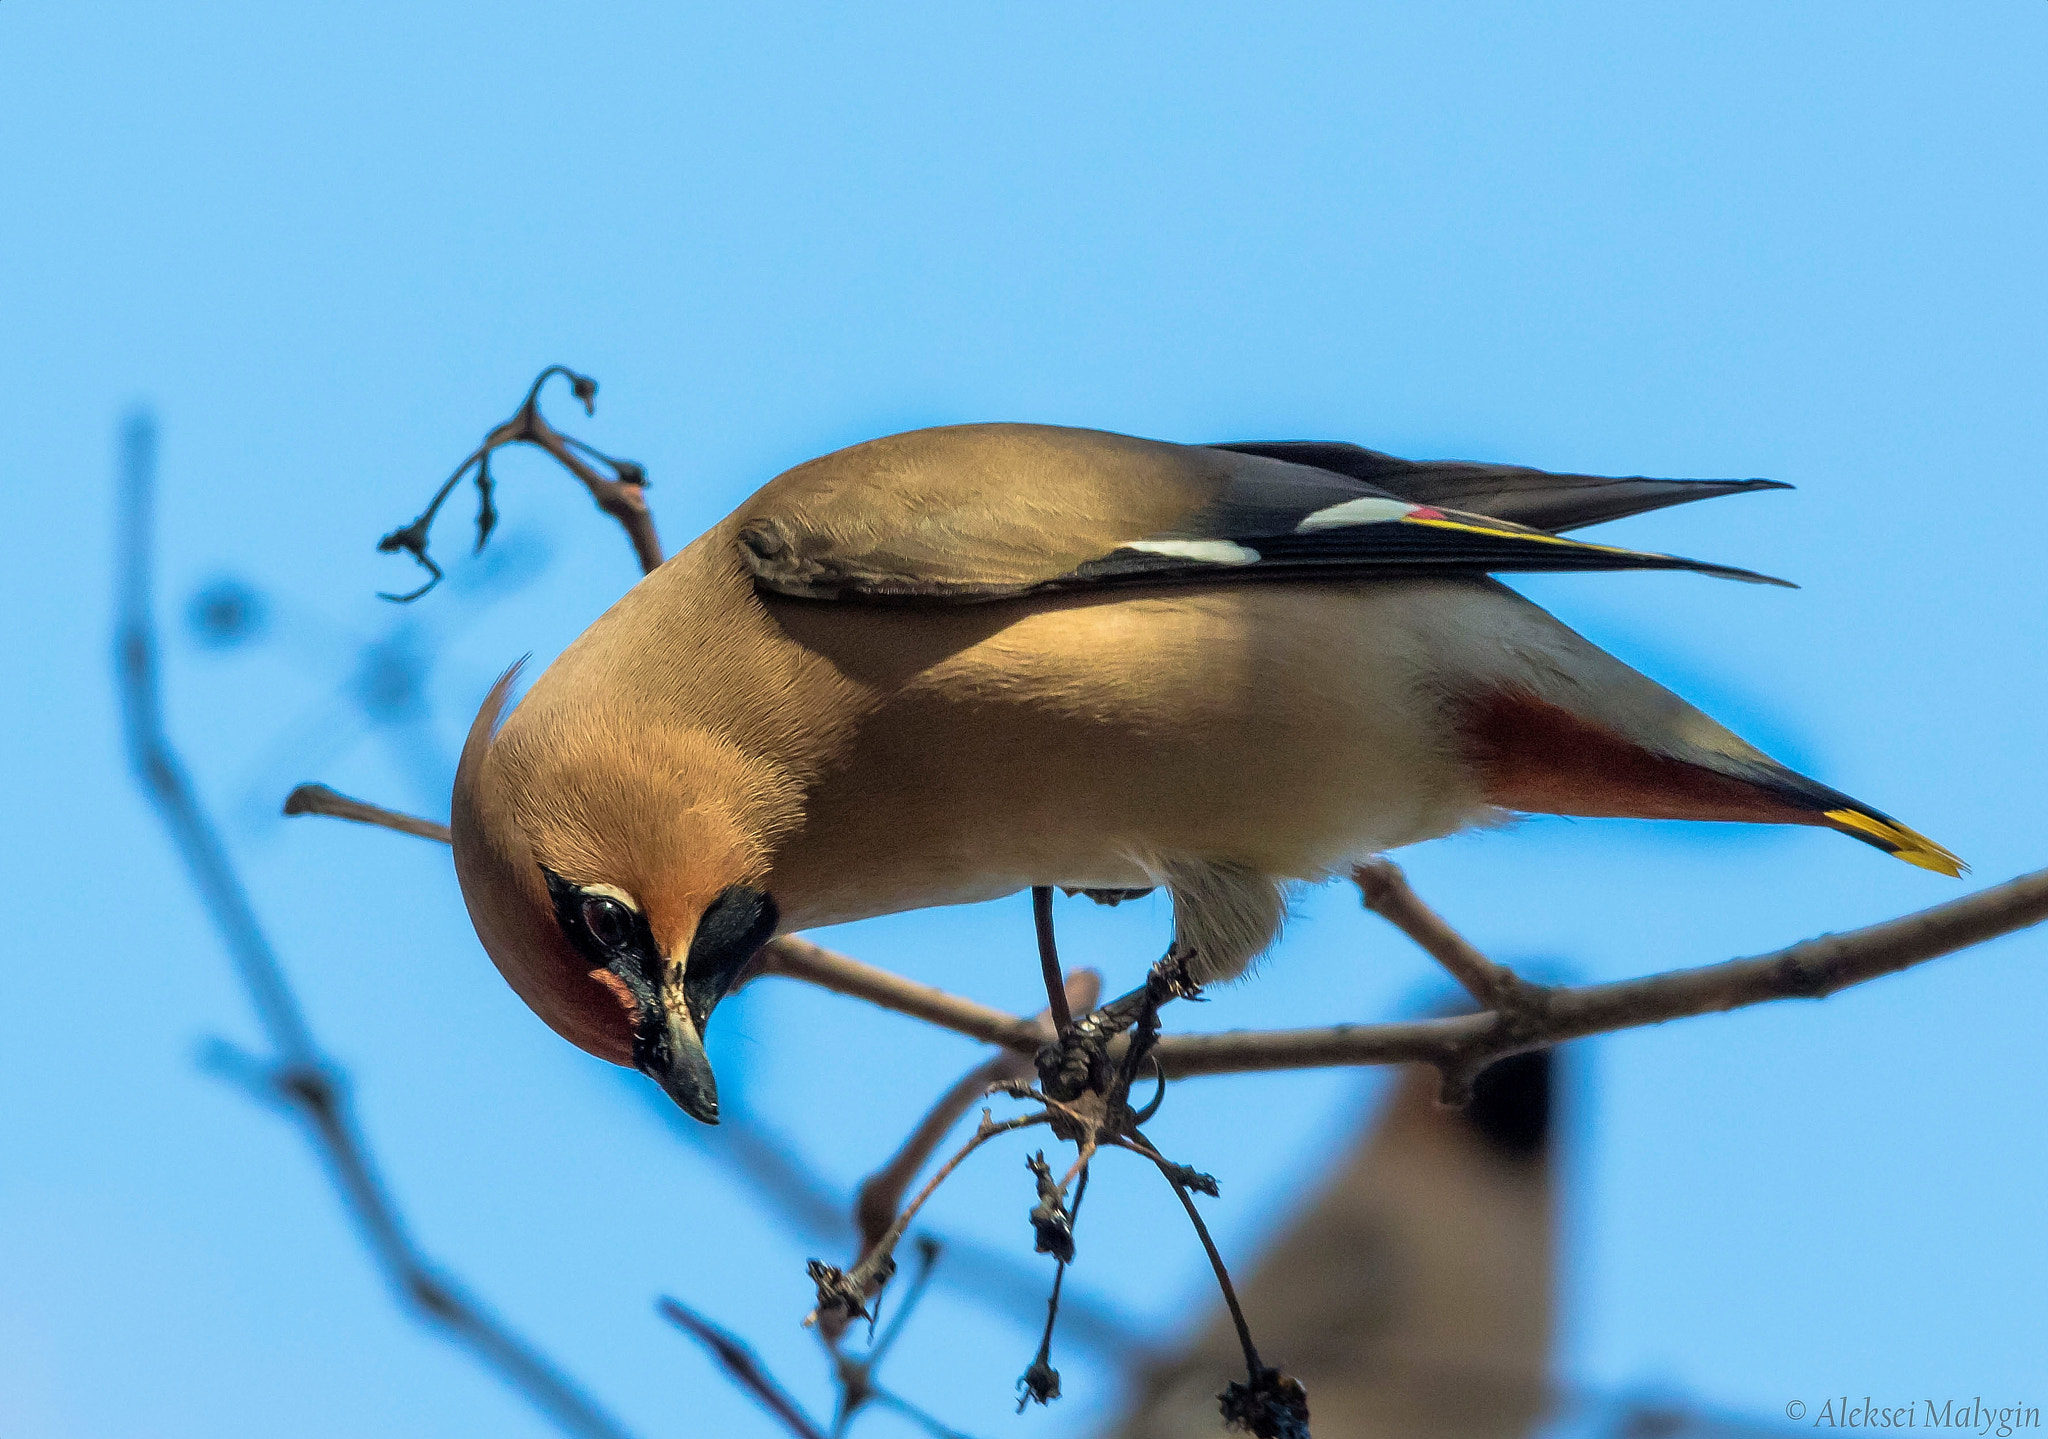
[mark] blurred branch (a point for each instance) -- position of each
(743, 1367)
(622, 494)
(296, 1076)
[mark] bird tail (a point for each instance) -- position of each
(1555, 725)
(1540, 757)
(1861, 822)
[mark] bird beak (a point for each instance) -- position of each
(670, 1052)
(669, 1047)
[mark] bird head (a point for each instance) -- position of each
(616, 880)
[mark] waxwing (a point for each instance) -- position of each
(943, 666)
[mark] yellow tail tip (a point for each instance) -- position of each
(1898, 841)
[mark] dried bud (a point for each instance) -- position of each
(1072, 1066)
(837, 1292)
(1272, 1406)
(585, 389)
(1040, 1384)
(1188, 1177)
(1049, 1218)
(631, 472)
(412, 539)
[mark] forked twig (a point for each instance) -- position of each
(876, 1204)
(849, 1289)
(298, 1076)
(1386, 892)
(621, 494)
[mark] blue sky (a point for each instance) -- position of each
(329, 245)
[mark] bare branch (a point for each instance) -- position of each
(1536, 1015)
(622, 494)
(1812, 969)
(299, 1078)
(319, 799)
(1386, 893)
(797, 958)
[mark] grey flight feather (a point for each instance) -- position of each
(1540, 498)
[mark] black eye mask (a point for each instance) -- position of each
(736, 924)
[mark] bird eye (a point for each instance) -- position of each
(609, 922)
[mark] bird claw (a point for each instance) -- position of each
(1078, 1062)
(1170, 979)
(1073, 1065)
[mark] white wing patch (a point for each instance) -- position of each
(1215, 552)
(1366, 510)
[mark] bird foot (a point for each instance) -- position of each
(1078, 1062)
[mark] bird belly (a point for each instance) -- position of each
(1098, 743)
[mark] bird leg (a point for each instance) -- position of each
(1049, 960)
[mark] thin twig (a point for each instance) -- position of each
(876, 1202)
(879, 1256)
(1173, 1173)
(622, 494)
(299, 1077)
(881, 1193)
(742, 1366)
(319, 799)
(928, 1250)
(1041, 1381)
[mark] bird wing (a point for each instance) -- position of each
(1508, 492)
(981, 512)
